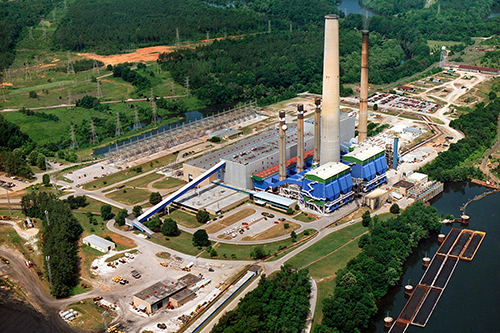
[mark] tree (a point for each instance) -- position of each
(154, 223)
(492, 95)
(137, 210)
(200, 238)
(33, 157)
(258, 252)
(33, 94)
(46, 180)
(293, 235)
(366, 219)
(106, 212)
(394, 208)
(202, 216)
(120, 217)
(170, 228)
(289, 211)
(375, 107)
(214, 139)
(155, 198)
(40, 162)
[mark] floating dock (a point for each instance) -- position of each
(459, 244)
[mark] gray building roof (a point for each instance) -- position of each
(269, 197)
(98, 241)
(166, 288)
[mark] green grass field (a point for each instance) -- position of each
(143, 181)
(326, 245)
(183, 218)
(129, 196)
(168, 183)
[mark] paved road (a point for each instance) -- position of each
(484, 163)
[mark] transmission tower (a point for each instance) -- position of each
(73, 137)
(439, 9)
(99, 92)
(225, 32)
(136, 119)
(154, 119)
(177, 39)
(31, 32)
(187, 85)
(269, 26)
(54, 14)
(93, 135)
(119, 130)
(27, 74)
(172, 88)
(70, 68)
(291, 27)
(95, 68)
(44, 34)
(69, 100)
(6, 73)
(444, 54)
(65, 4)
(208, 37)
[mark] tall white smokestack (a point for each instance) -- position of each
(300, 138)
(330, 113)
(282, 146)
(363, 95)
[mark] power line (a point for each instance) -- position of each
(95, 68)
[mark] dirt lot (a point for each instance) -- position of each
(144, 54)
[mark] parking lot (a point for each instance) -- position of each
(90, 173)
(402, 102)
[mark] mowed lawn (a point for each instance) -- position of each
(227, 221)
(143, 181)
(129, 196)
(183, 218)
(324, 272)
(167, 183)
(326, 245)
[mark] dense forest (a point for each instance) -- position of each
(60, 231)
(272, 67)
(16, 16)
(367, 278)
(279, 304)
(480, 127)
(13, 146)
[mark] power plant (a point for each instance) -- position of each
(299, 162)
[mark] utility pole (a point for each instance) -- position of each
(118, 125)
(136, 114)
(69, 100)
(8, 199)
(99, 92)
(95, 68)
(73, 137)
(187, 85)
(69, 67)
(47, 258)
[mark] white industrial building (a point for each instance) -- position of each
(99, 243)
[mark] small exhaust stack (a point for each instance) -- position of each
(330, 118)
(363, 95)
(300, 138)
(282, 146)
(317, 130)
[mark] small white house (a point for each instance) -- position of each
(99, 243)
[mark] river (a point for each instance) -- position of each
(470, 300)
